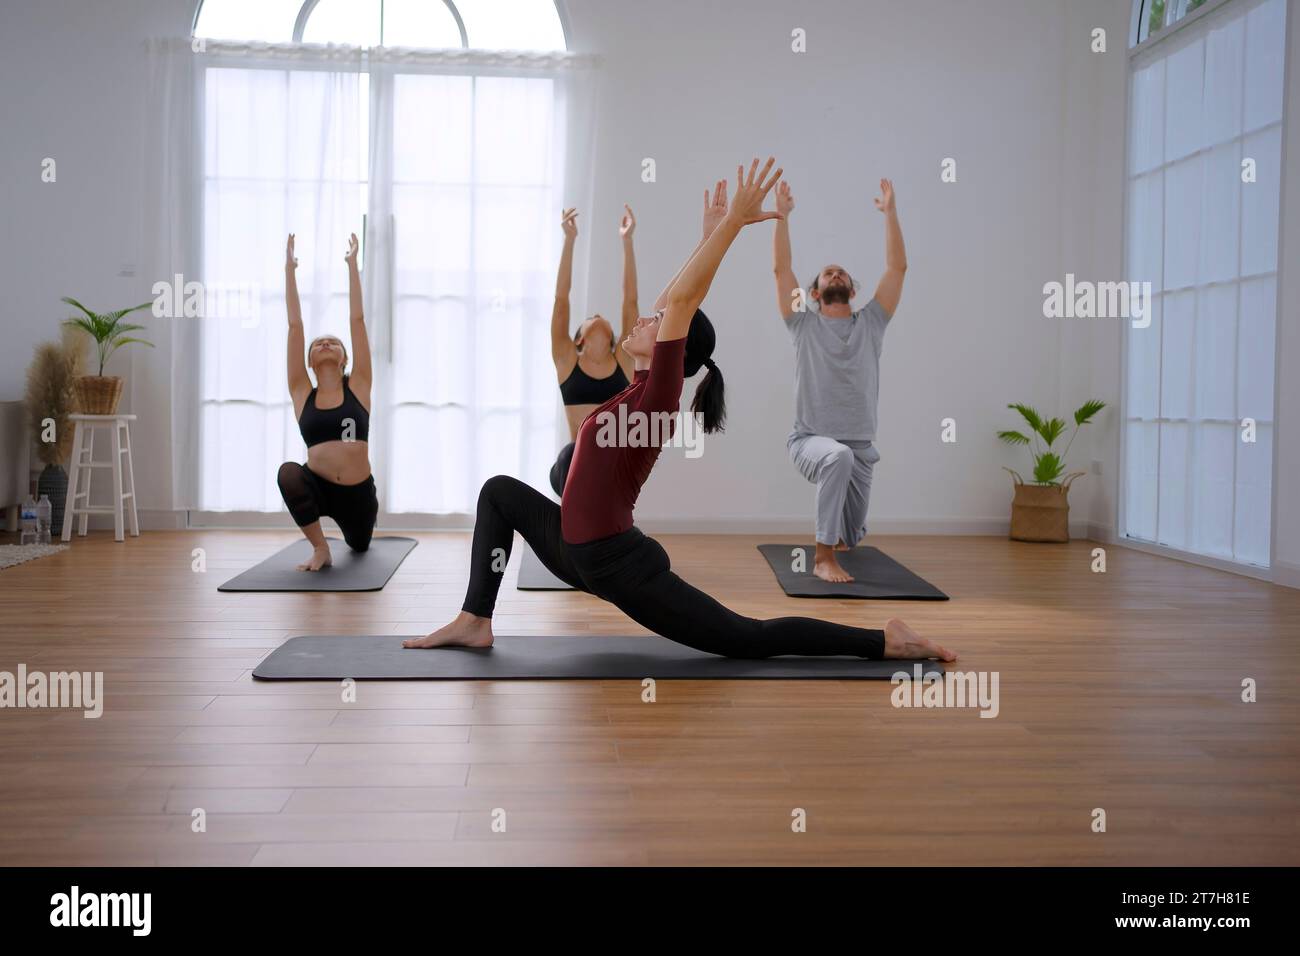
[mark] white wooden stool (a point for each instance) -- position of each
(83, 443)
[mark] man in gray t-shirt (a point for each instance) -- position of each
(837, 380)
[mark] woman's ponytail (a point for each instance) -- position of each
(710, 401)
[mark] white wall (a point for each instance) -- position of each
(885, 89)
(71, 73)
(1092, 227)
(1092, 230)
(72, 77)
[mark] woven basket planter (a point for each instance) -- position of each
(1041, 512)
(98, 394)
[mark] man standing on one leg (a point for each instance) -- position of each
(837, 380)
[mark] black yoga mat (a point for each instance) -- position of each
(351, 571)
(382, 657)
(875, 575)
(533, 575)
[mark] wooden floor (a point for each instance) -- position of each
(1118, 691)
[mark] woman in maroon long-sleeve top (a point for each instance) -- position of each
(589, 540)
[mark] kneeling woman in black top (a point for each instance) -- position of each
(590, 367)
(334, 419)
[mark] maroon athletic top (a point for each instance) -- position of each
(604, 482)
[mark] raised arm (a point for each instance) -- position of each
(782, 263)
(360, 377)
(714, 210)
(697, 275)
(631, 309)
(563, 351)
(299, 383)
(890, 288)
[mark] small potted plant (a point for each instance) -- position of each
(1040, 511)
(51, 398)
(99, 394)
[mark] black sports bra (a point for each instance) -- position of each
(581, 389)
(327, 424)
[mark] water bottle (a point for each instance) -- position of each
(44, 512)
(29, 521)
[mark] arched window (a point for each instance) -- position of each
(429, 24)
(1152, 16)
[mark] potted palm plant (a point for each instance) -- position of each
(99, 394)
(51, 398)
(1040, 510)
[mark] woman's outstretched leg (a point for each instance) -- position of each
(688, 616)
(647, 591)
(505, 505)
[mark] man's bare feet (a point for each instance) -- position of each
(467, 630)
(320, 558)
(827, 567)
(903, 643)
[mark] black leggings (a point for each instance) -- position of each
(560, 470)
(632, 572)
(310, 497)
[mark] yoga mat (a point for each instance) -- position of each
(382, 657)
(533, 575)
(876, 575)
(351, 571)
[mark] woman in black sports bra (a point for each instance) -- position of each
(334, 419)
(590, 366)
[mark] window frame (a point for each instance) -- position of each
(1140, 8)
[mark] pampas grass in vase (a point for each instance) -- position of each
(51, 398)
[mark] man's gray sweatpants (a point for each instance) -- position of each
(841, 470)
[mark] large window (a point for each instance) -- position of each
(450, 171)
(429, 24)
(1204, 169)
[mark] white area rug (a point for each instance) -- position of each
(11, 554)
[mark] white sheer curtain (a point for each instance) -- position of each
(1205, 101)
(471, 168)
(162, 380)
(282, 152)
(453, 167)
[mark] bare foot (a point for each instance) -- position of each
(467, 630)
(827, 567)
(320, 558)
(843, 547)
(903, 643)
